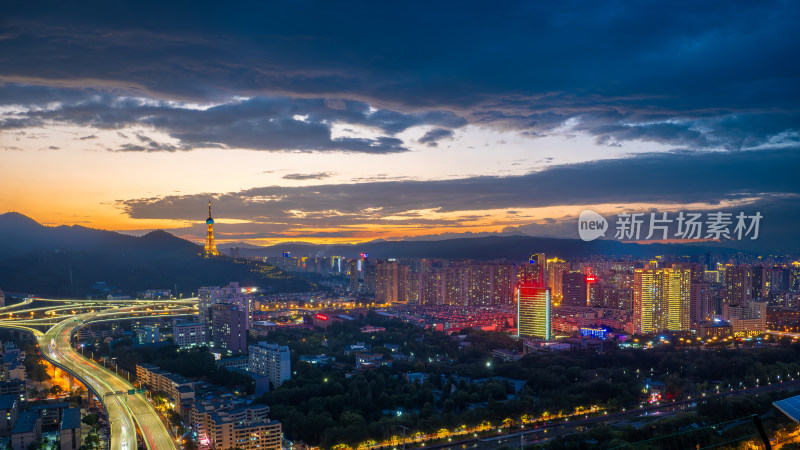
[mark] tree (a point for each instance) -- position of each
(90, 419)
(56, 390)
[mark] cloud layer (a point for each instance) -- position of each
(762, 178)
(711, 75)
(714, 85)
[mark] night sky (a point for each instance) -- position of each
(347, 122)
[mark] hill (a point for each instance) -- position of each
(67, 261)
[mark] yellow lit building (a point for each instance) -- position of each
(678, 293)
(661, 299)
(533, 312)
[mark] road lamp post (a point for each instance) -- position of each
(404, 435)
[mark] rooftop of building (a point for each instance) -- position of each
(185, 388)
(7, 401)
(71, 418)
(48, 406)
(177, 379)
(189, 324)
(26, 422)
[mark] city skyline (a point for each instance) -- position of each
(312, 123)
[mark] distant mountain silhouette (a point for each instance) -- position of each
(513, 248)
(67, 261)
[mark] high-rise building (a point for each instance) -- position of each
(233, 293)
(245, 428)
(210, 248)
(354, 273)
(412, 288)
(738, 286)
(271, 360)
(647, 305)
(774, 283)
(574, 289)
(678, 293)
(531, 274)
(555, 277)
(189, 334)
(228, 327)
(370, 273)
(540, 260)
(604, 295)
(533, 312)
(461, 283)
(759, 277)
(2, 298)
(662, 299)
(390, 281)
(700, 305)
(148, 334)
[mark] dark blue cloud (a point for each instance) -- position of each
(260, 123)
(674, 59)
(432, 137)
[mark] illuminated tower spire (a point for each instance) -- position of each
(211, 247)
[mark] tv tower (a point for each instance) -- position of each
(211, 247)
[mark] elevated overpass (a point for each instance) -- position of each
(125, 412)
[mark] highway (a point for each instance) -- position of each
(125, 412)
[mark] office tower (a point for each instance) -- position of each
(271, 360)
(228, 327)
(574, 289)
(738, 285)
(211, 247)
(533, 312)
(2, 298)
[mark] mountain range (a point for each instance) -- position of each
(67, 261)
(513, 248)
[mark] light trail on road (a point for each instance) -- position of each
(125, 412)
